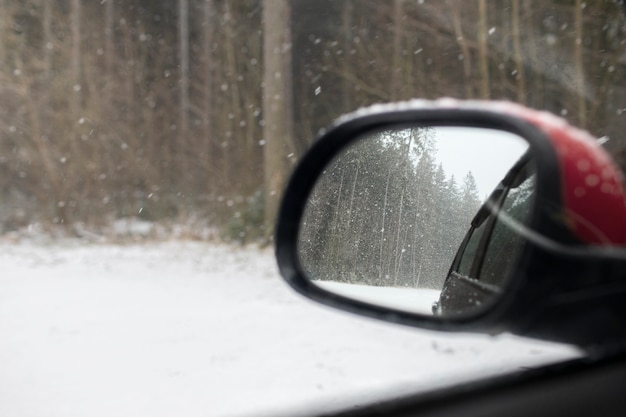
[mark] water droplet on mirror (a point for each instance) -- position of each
(606, 188)
(583, 165)
(592, 180)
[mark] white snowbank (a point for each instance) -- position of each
(196, 329)
(415, 300)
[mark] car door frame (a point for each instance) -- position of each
(575, 388)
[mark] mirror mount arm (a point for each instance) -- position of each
(587, 309)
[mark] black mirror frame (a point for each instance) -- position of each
(534, 303)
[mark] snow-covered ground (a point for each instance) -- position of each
(198, 329)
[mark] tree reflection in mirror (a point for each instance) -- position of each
(395, 219)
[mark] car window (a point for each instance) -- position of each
(144, 146)
(505, 244)
(469, 253)
(493, 244)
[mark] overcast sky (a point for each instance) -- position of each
(487, 153)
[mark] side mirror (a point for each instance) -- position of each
(461, 216)
(387, 215)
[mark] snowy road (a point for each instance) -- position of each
(196, 329)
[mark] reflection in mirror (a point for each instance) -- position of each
(395, 219)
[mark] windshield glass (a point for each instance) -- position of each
(144, 146)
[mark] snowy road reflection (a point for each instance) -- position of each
(414, 300)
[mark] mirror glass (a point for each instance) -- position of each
(411, 218)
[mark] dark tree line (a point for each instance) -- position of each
(197, 109)
(564, 56)
(385, 213)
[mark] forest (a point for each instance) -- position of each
(195, 111)
(385, 213)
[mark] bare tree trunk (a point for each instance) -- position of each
(235, 93)
(277, 103)
(47, 44)
(397, 59)
(517, 53)
(109, 35)
(460, 38)
(483, 49)
(76, 75)
(111, 77)
(535, 97)
(346, 26)
(383, 231)
(578, 60)
(3, 26)
(207, 126)
(209, 19)
(183, 27)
